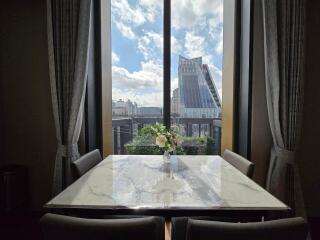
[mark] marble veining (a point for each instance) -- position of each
(191, 182)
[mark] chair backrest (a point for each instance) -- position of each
(58, 227)
(86, 162)
(179, 224)
(239, 162)
(283, 229)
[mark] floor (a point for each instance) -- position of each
(20, 226)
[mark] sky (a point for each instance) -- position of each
(137, 45)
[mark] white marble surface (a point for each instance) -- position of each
(190, 182)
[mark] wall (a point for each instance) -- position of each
(229, 36)
(261, 139)
(309, 159)
(28, 131)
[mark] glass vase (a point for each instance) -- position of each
(166, 156)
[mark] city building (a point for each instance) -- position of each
(198, 96)
(175, 102)
(149, 111)
(132, 108)
(124, 108)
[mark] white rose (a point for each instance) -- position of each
(161, 140)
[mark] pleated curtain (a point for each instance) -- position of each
(284, 23)
(68, 24)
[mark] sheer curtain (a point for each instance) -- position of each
(284, 22)
(68, 39)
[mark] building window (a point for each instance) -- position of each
(139, 99)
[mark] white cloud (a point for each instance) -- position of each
(219, 47)
(199, 16)
(128, 16)
(216, 33)
(150, 40)
(125, 30)
(154, 99)
(124, 12)
(190, 14)
(175, 45)
(148, 78)
(144, 47)
(151, 4)
(151, 8)
(195, 46)
(115, 58)
(174, 83)
(156, 38)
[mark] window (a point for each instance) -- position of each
(137, 72)
(141, 65)
(196, 63)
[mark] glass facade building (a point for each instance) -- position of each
(197, 91)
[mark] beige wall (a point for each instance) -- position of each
(228, 77)
(27, 134)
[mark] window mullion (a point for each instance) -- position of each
(167, 63)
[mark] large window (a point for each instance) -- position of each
(196, 63)
(147, 81)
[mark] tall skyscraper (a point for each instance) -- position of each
(197, 92)
(175, 102)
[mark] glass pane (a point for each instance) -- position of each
(196, 73)
(137, 74)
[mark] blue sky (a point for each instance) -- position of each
(137, 44)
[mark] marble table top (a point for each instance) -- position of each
(149, 182)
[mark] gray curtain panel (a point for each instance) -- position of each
(68, 40)
(284, 22)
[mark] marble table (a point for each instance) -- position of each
(147, 184)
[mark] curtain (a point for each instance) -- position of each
(68, 39)
(284, 22)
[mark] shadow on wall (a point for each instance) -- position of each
(28, 134)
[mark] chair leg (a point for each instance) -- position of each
(168, 230)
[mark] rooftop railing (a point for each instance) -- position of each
(124, 129)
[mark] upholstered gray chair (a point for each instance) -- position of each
(283, 229)
(239, 162)
(58, 227)
(179, 225)
(86, 162)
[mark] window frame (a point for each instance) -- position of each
(230, 77)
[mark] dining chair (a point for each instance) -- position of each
(239, 162)
(59, 227)
(282, 229)
(179, 224)
(86, 162)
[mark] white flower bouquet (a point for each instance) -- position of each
(166, 139)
